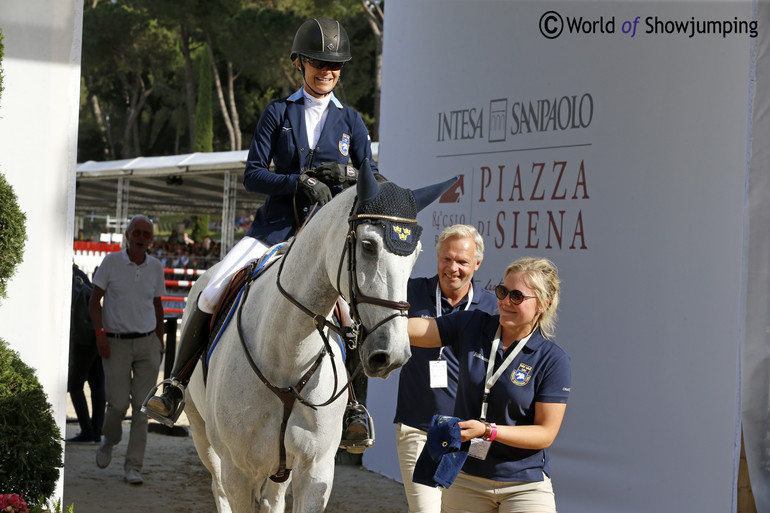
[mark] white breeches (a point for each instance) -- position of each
(242, 254)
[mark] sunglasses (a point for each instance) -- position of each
(142, 233)
(319, 64)
(516, 296)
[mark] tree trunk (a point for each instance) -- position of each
(220, 95)
(109, 151)
(138, 94)
(233, 106)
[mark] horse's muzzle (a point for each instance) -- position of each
(379, 362)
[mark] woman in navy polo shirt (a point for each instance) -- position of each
(513, 389)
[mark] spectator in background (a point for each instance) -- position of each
(129, 337)
(85, 364)
(427, 384)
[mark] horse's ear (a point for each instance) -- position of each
(427, 195)
(367, 186)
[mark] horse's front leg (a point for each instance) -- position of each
(273, 496)
(239, 487)
(311, 489)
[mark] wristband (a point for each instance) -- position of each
(487, 431)
(493, 435)
(100, 331)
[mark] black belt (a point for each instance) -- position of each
(128, 335)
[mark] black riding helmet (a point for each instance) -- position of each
(321, 38)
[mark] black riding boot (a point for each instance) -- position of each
(167, 407)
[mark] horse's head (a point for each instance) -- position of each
(383, 246)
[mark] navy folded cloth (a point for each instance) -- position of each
(443, 455)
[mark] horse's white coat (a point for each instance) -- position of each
(235, 419)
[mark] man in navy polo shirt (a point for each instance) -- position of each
(428, 382)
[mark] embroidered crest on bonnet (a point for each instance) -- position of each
(395, 209)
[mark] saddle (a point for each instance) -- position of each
(230, 298)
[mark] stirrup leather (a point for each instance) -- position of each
(171, 419)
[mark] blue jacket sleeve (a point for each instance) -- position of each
(361, 147)
(257, 176)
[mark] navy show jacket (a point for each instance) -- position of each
(281, 137)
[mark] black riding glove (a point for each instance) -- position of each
(313, 189)
(334, 173)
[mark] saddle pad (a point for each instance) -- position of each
(226, 301)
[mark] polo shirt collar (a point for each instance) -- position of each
(127, 261)
(434, 281)
(534, 343)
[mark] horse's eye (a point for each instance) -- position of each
(368, 246)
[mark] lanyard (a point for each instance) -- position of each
(493, 376)
(438, 299)
(438, 308)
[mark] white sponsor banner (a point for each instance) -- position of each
(612, 139)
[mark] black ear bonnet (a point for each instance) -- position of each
(395, 209)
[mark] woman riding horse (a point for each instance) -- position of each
(296, 133)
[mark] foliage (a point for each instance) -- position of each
(13, 234)
(200, 229)
(30, 441)
(130, 65)
(204, 113)
(55, 507)
(141, 80)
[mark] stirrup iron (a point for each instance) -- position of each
(359, 446)
(172, 418)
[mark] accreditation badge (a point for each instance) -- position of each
(479, 448)
(438, 374)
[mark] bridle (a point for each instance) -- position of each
(356, 296)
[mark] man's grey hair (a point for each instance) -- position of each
(138, 217)
(463, 231)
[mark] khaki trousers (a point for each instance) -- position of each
(409, 443)
(129, 374)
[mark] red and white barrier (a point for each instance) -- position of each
(187, 272)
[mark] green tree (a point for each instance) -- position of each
(200, 228)
(126, 58)
(203, 113)
(140, 75)
(30, 440)
(13, 234)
